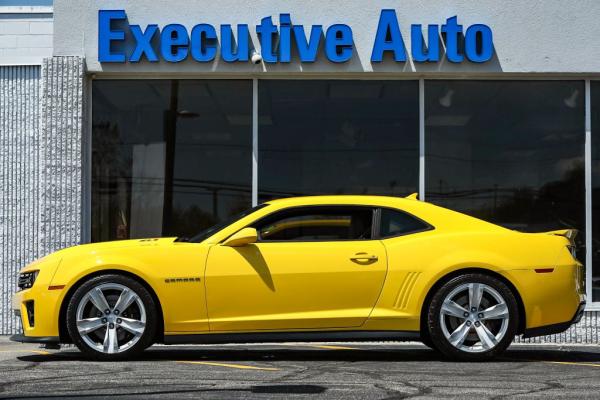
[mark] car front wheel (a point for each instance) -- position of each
(473, 317)
(111, 317)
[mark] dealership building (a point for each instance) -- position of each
(155, 118)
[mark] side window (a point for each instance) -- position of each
(317, 224)
(395, 223)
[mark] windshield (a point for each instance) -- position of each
(215, 228)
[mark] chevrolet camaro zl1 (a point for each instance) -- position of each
(323, 268)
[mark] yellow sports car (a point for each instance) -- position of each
(323, 268)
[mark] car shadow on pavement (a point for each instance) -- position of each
(307, 354)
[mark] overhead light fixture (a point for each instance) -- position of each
(187, 114)
(446, 99)
(571, 101)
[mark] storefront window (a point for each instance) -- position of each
(510, 152)
(169, 157)
(338, 137)
(595, 108)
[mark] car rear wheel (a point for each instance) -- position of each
(111, 317)
(473, 317)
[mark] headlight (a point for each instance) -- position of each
(26, 279)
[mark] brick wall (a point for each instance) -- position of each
(41, 122)
(25, 39)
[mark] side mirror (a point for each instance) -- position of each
(242, 238)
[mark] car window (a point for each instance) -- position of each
(395, 223)
(317, 224)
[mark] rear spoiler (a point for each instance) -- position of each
(568, 233)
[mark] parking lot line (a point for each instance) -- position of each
(581, 364)
(573, 363)
(238, 366)
(332, 347)
(42, 352)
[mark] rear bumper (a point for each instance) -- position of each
(35, 339)
(555, 328)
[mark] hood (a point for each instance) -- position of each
(117, 244)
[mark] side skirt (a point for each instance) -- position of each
(319, 336)
(35, 339)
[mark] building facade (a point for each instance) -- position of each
(155, 118)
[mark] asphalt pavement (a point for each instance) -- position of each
(300, 370)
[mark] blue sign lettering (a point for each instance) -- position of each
(452, 30)
(228, 53)
(422, 52)
(143, 43)
(307, 49)
(388, 38)
(173, 43)
(339, 43)
(265, 31)
(484, 33)
(203, 42)
(107, 35)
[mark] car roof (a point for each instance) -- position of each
(370, 200)
(433, 214)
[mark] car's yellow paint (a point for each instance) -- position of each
(315, 285)
(295, 285)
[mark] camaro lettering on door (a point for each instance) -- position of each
(120, 42)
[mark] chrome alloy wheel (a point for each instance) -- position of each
(474, 317)
(111, 318)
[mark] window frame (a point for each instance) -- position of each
(587, 78)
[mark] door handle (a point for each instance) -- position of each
(364, 257)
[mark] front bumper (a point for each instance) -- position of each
(38, 309)
(555, 328)
(39, 306)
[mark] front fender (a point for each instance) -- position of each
(174, 273)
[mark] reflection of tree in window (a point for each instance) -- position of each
(195, 135)
(510, 152)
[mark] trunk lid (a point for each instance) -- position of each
(570, 234)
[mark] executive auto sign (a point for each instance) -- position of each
(175, 42)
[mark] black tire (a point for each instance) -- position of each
(435, 330)
(145, 340)
(426, 340)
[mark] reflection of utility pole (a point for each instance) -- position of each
(170, 131)
(495, 198)
(215, 203)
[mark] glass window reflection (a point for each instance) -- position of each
(169, 157)
(510, 152)
(338, 137)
